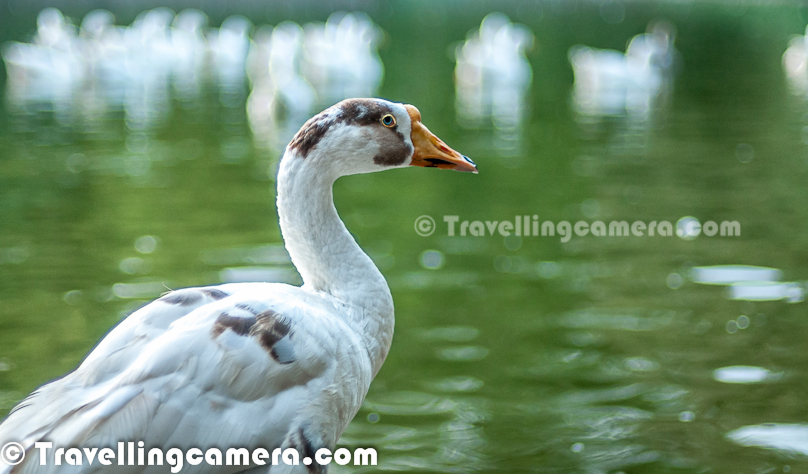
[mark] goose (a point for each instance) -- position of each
(492, 81)
(492, 73)
(149, 58)
(292, 89)
(190, 50)
(250, 364)
(47, 70)
(105, 54)
(281, 99)
(612, 83)
(341, 57)
(229, 46)
(795, 64)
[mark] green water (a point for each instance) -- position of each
(515, 355)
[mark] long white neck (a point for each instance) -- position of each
(327, 256)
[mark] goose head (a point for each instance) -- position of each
(366, 135)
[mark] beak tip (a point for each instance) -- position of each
(469, 161)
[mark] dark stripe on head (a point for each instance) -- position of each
(394, 150)
(361, 112)
(311, 133)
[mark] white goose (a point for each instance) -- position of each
(252, 364)
(612, 83)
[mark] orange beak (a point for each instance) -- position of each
(431, 152)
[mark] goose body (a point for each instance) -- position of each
(229, 46)
(492, 73)
(609, 82)
(341, 57)
(795, 64)
(46, 70)
(251, 364)
(232, 366)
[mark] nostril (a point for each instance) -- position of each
(469, 160)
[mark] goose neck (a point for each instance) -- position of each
(326, 255)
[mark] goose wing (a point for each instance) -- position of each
(230, 366)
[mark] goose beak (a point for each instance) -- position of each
(431, 152)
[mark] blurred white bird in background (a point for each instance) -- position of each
(795, 64)
(611, 83)
(46, 71)
(294, 70)
(149, 60)
(229, 46)
(341, 57)
(103, 47)
(281, 99)
(262, 111)
(139, 68)
(296, 95)
(493, 78)
(104, 54)
(190, 53)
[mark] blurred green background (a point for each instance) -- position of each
(510, 355)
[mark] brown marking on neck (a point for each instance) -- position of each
(310, 134)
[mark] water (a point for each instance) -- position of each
(600, 354)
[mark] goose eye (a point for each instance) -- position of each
(388, 121)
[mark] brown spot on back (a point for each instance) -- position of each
(270, 328)
(217, 406)
(248, 307)
(215, 293)
(182, 297)
(240, 326)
